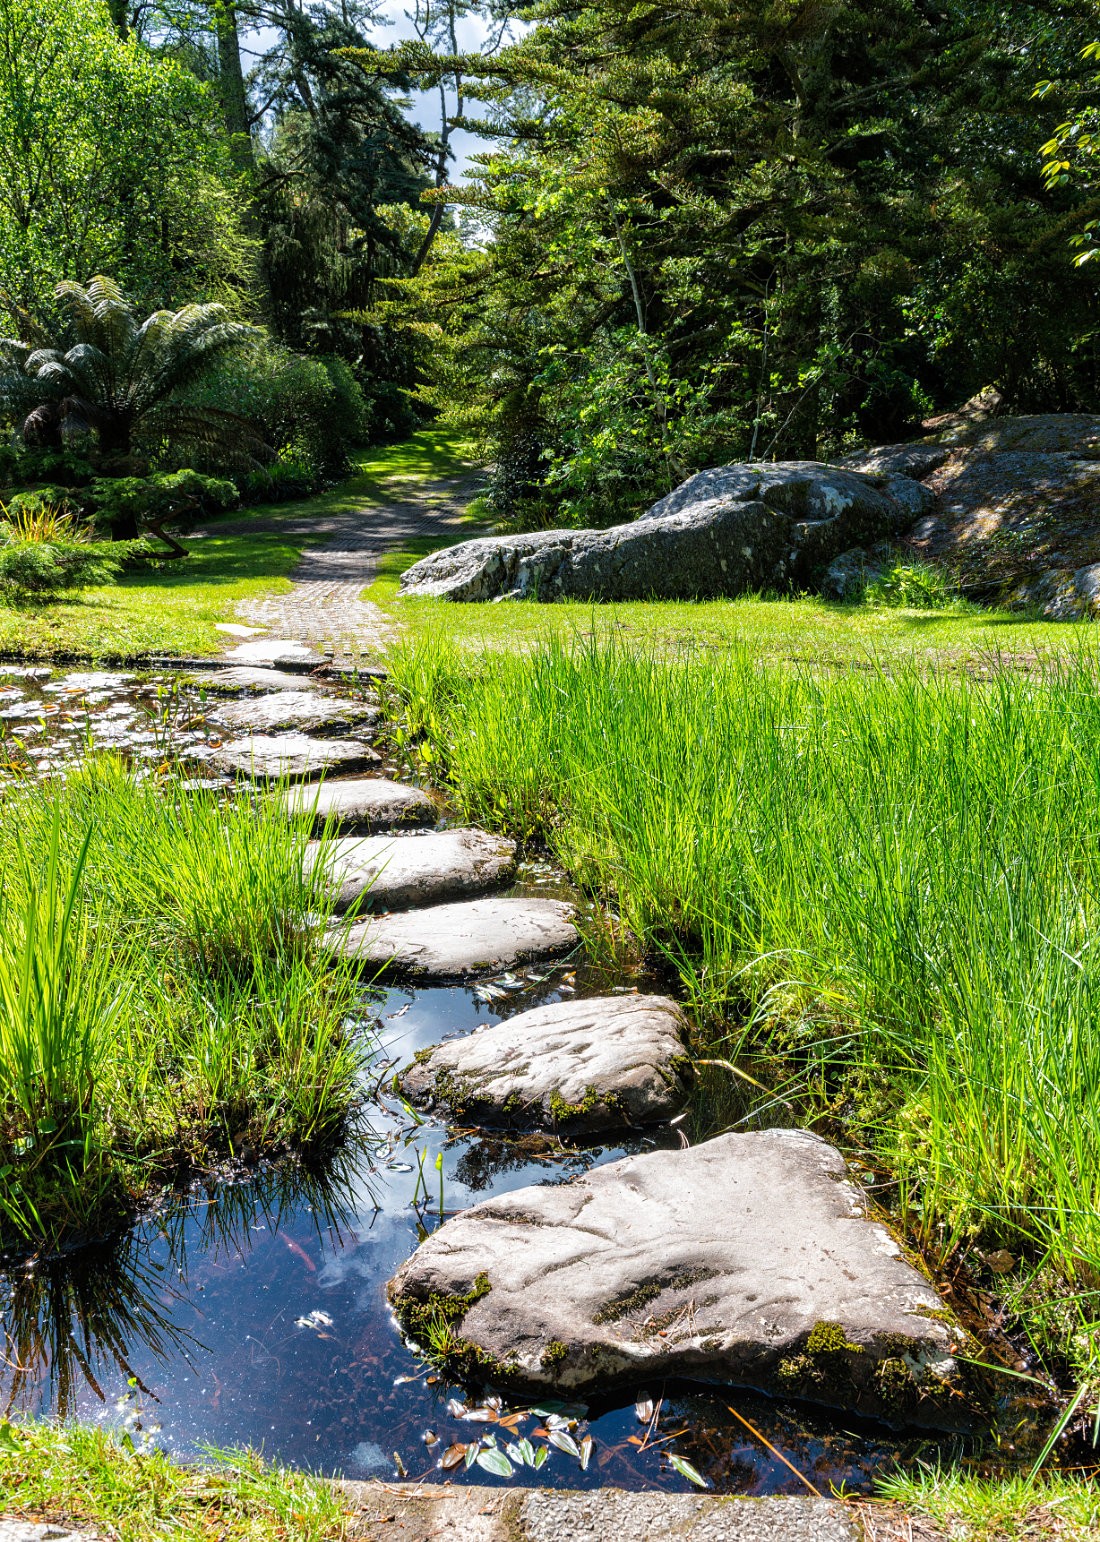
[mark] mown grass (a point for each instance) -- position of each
(163, 1003)
(86, 1476)
(893, 879)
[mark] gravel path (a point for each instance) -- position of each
(323, 613)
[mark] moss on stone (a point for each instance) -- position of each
(554, 1353)
(829, 1338)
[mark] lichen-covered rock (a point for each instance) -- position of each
(1063, 594)
(397, 872)
(577, 1065)
(748, 1260)
(848, 575)
(727, 531)
(445, 942)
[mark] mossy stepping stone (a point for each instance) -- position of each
(306, 711)
(360, 803)
(748, 1260)
(576, 1065)
(268, 757)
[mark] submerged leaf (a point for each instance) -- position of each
(565, 1442)
(452, 1457)
(496, 1462)
(643, 1410)
(686, 1470)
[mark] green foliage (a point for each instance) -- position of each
(725, 232)
(107, 163)
(310, 411)
(123, 381)
(890, 872)
(127, 503)
(912, 585)
(43, 553)
(163, 997)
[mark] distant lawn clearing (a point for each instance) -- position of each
(804, 630)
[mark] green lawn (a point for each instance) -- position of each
(799, 631)
(173, 608)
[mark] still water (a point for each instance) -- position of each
(254, 1313)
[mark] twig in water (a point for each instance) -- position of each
(765, 1442)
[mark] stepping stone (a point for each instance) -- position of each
(748, 1260)
(368, 803)
(245, 680)
(306, 711)
(267, 757)
(581, 1065)
(406, 870)
(449, 941)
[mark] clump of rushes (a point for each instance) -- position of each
(163, 1004)
(892, 879)
(88, 1476)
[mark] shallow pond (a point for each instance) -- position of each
(255, 1314)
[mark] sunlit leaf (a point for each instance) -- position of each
(686, 1470)
(496, 1462)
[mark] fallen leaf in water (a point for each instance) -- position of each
(586, 1452)
(455, 1408)
(480, 1415)
(643, 1410)
(565, 1443)
(430, 1438)
(495, 1461)
(471, 1452)
(1001, 1262)
(540, 1456)
(452, 1457)
(686, 1470)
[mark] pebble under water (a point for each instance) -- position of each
(253, 1312)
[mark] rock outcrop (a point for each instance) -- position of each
(747, 1260)
(732, 530)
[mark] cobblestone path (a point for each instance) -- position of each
(323, 613)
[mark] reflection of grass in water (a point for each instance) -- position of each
(72, 1321)
(165, 1000)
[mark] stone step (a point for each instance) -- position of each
(446, 942)
(477, 1513)
(302, 710)
(748, 1260)
(360, 804)
(400, 872)
(268, 757)
(576, 1065)
(245, 680)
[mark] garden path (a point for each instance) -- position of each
(323, 613)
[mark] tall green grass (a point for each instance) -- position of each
(897, 878)
(163, 1003)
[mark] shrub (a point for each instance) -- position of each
(39, 569)
(310, 411)
(913, 585)
(279, 482)
(124, 504)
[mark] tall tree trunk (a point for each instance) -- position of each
(120, 17)
(231, 82)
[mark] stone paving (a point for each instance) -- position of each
(324, 610)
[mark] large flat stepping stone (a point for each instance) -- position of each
(446, 942)
(397, 872)
(576, 1065)
(244, 680)
(747, 1260)
(363, 803)
(267, 757)
(306, 711)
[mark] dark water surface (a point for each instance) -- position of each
(256, 1315)
(254, 1312)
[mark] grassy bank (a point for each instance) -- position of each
(891, 882)
(162, 1001)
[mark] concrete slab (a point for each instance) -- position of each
(476, 1513)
